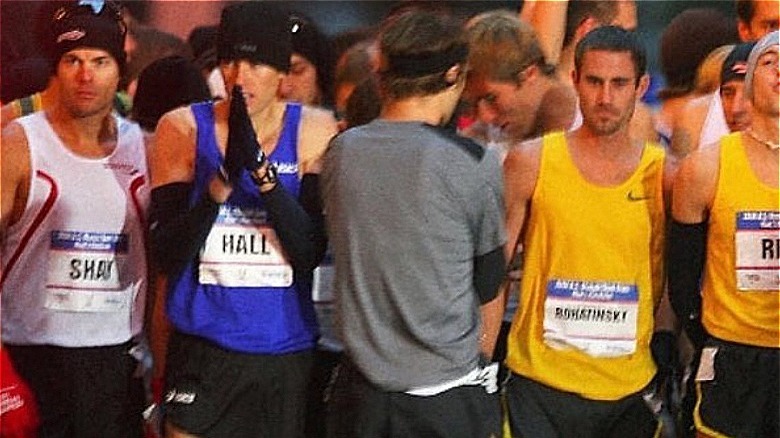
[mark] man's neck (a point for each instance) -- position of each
(604, 160)
(268, 121)
(566, 65)
(616, 145)
(425, 109)
(766, 127)
(558, 106)
(91, 136)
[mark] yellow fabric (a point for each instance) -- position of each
(743, 316)
(578, 230)
(28, 105)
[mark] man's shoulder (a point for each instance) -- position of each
(701, 165)
(317, 128)
(318, 125)
(451, 137)
(317, 114)
(9, 113)
(182, 119)
(12, 134)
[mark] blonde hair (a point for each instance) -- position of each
(501, 46)
(708, 72)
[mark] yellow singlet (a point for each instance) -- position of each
(740, 296)
(593, 275)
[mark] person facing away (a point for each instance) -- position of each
(414, 213)
(73, 224)
(724, 262)
(236, 230)
(591, 205)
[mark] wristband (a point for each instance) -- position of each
(223, 174)
(269, 177)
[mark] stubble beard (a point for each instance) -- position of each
(610, 127)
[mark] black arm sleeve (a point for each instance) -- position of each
(489, 272)
(299, 225)
(311, 200)
(685, 262)
(177, 231)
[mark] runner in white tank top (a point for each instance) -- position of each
(73, 197)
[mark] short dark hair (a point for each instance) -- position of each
(417, 48)
(577, 11)
(613, 39)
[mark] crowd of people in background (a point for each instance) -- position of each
(436, 226)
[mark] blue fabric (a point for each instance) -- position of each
(267, 320)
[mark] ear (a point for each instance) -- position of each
(574, 76)
(453, 74)
(529, 73)
(644, 84)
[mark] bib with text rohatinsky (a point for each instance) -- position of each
(242, 250)
(85, 272)
(598, 318)
(757, 243)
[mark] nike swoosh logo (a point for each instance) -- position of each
(632, 197)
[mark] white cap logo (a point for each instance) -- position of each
(73, 35)
(740, 68)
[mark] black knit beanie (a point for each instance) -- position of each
(88, 24)
(310, 43)
(256, 31)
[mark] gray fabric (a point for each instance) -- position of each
(762, 46)
(408, 209)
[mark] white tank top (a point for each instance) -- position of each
(73, 267)
(715, 125)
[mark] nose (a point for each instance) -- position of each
(242, 68)
(605, 95)
(739, 105)
(486, 112)
(85, 73)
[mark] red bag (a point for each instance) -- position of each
(18, 412)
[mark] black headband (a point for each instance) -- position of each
(423, 64)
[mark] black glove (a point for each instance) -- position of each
(243, 151)
(663, 347)
(695, 331)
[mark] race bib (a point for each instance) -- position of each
(757, 243)
(85, 271)
(242, 250)
(595, 317)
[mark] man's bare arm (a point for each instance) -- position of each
(14, 175)
(317, 129)
(172, 156)
(521, 169)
